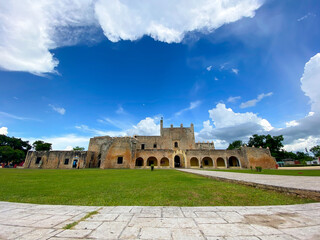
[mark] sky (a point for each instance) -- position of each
(74, 69)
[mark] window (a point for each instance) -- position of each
(66, 161)
(142, 146)
(175, 144)
(38, 160)
(120, 160)
(155, 145)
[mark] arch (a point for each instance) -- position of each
(234, 162)
(220, 162)
(164, 162)
(152, 160)
(139, 162)
(207, 162)
(177, 161)
(194, 162)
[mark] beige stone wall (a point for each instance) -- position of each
(260, 157)
(56, 159)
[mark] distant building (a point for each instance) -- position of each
(174, 148)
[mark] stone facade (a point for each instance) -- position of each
(175, 147)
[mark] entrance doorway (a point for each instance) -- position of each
(177, 162)
(74, 165)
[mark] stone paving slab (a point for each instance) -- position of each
(28, 221)
(303, 184)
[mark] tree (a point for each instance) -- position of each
(235, 145)
(8, 154)
(315, 150)
(303, 157)
(274, 143)
(77, 148)
(13, 149)
(15, 143)
(41, 146)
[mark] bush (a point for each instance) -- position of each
(259, 169)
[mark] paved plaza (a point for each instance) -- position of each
(282, 181)
(31, 221)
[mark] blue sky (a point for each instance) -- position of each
(73, 71)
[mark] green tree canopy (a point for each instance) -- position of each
(274, 143)
(235, 145)
(8, 154)
(41, 146)
(77, 148)
(315, 150)
(15, 143)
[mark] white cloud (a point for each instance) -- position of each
(235, 71)
(59, 110)
(193, 105)
(301, 144)
(216, 79)
(233, 99)
(146, 127)
(120, 110)
(3, 131)
(292, 123)
(68, 148)
(253, 102)
(209, 68)
(298, 134)
(9, 115)
(306, 16)
(310, 82)
(230, 126)
(30, 29)
(96, 132)
(64, 141)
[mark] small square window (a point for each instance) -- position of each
(120, 160)
(142, 146)
(176, 144)
(66, 161)
(38, 160)
(155, 145)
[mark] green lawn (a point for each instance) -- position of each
(274, 172)
(129, 187)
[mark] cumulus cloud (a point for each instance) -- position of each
(253, 102)
(193, 105)
(230, 126)
(310, 82)
(3, 131)
(30, 29)
(59, 110)
(298, 133)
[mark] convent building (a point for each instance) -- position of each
(174, 148)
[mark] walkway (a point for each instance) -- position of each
(289, 182)
(30, 221)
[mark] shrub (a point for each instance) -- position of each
(259, 169)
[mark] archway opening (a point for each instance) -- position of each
(152, 160)
(220, 162)
(207, 162)
(194, 162)
(177, 161)
(234, 162)
(139, 162)
(164, 162)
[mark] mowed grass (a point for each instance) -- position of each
(274, 172)
(129, 187)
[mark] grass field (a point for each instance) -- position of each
(275, 172)
(130, 187)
